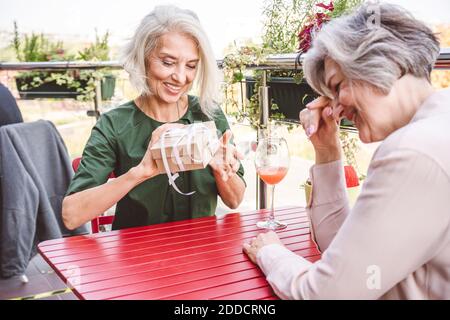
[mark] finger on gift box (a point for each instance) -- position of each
(238, 155)
(229, 154)
(223, 156)
(224, 173)
(230, 170)
(158, 132)
(236, 166)
(226, 137)
(233, 166)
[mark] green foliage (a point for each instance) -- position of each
(342, 7)
(235, 71)
(282, 21)
(38, 48)
(16, 42)
(98, 50)
(234, 64)
(349, 147)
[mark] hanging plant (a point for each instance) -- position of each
(234, 68)
(70, 83)
(281, 20)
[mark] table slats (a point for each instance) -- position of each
(191, 259)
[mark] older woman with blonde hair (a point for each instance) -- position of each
(373, 67)
(168, 56)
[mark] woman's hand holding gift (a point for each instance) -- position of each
(147, 167)
(226, 159)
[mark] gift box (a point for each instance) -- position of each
(188, 148)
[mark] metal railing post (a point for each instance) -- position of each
(97, 98)
(263, 93)
(272, 62)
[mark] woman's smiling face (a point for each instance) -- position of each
(172, 66)
(367, 108)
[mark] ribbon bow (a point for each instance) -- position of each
(189, 133)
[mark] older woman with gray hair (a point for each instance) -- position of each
(395, 242)
(168, 55)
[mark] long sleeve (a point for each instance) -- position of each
(398, 224)
(20, 200)
(329, 205)
(98, 159)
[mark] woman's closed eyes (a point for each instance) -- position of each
(172, 63)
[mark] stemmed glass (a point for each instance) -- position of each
(272, 164)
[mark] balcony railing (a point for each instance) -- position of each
(287, 61)
(272, 62)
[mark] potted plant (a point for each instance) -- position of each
(288, 28)
(99, 51)
(281, 20)
(36, 48)
(79, 84)
(234, 70)
(288, 90)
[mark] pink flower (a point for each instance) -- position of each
(329, 7)
(305, 35)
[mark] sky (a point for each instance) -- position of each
(224, 21)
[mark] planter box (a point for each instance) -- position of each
(286, 94)
(53, 90)
(108, 87)
(289, 95)
(46, 90)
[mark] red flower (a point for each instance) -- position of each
(320, 18)
(305, 35)
(329, 7)
(305, 38)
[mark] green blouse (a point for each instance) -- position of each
(118, 142)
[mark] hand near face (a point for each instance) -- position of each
(320, 122)
(263, 239)
(226, 159)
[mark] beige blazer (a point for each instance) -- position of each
(395, 242)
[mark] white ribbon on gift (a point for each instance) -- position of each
(189, 133)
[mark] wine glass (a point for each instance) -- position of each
(272, 164)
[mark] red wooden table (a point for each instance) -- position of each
(191, 259)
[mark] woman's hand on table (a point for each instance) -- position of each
(147, 168)
(263, 239)
(320, 120)
(226, 159)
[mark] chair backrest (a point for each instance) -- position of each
(100, 220)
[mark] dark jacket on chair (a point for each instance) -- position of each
(35, 172)
(9, 111)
